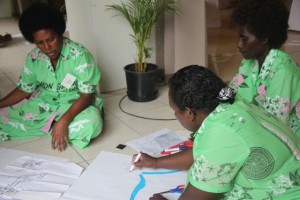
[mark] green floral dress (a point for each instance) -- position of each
(51, 99)
(275, 88)
(246, 153)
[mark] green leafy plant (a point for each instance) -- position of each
(142, 15)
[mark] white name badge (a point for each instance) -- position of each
(68, 81)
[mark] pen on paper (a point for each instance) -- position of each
(135, 160)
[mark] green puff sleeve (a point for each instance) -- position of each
(27, 80)
(87, 73)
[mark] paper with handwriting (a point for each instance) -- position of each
(30, 178)
(156, 142)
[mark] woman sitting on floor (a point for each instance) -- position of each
(55, 94)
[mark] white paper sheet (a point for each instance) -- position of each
(156, 142)
(9, 155)
(108, 178)
(33, 178)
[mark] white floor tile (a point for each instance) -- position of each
(14, 143)
(163, 95)
(14, 76)
(6, 85)
(115, 133)
(108, 116)
(112, 104)
(144, 126)
(43, 146)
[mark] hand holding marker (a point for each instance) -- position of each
(178, 189)
(135, 160)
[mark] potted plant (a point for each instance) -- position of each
(141, 76)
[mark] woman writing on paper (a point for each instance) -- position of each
(240, 151)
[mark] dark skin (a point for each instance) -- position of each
(50, 43)
(13, 97)
(252, 47)
(191, 120)
(60, 129)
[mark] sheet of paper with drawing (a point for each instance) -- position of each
(108, 177)
(10, 155)
(32, 178)
(157, 141)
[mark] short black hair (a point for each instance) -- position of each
(264, 19)
(41, 16)
(195, 87)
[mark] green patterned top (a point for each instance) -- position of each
(74, 60)
(274, 88)
(246, 153)
(54, 92)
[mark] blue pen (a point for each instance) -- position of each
(178, 189)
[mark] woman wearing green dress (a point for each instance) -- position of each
(56, 91)
(267, 77)
(240, 151)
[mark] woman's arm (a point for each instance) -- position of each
(13, 97)
(193, 193)
(60, 129)
(180, 161)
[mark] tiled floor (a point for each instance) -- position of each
(120, 127)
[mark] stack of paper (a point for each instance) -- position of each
(29, 178)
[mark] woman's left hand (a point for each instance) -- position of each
(157, 197)
(59, 134)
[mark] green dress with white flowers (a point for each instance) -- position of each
(246, 153)
(275, 87)
(50, 98)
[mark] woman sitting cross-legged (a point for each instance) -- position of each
(56, 92)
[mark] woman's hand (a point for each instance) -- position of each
(157, 197)
(59, 134)
(178, 161)
(145, 161)
(60, 129)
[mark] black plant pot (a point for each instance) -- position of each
(141, 86)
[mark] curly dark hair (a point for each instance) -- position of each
(264, 19)
(195, 87)
(41, 16)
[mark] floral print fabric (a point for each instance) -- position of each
(275, 87)
(245, 153)
(51, 99)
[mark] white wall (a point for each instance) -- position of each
(190, 34)
(5, 8)
(107, 37)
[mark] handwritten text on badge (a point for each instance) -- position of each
(68, 81)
